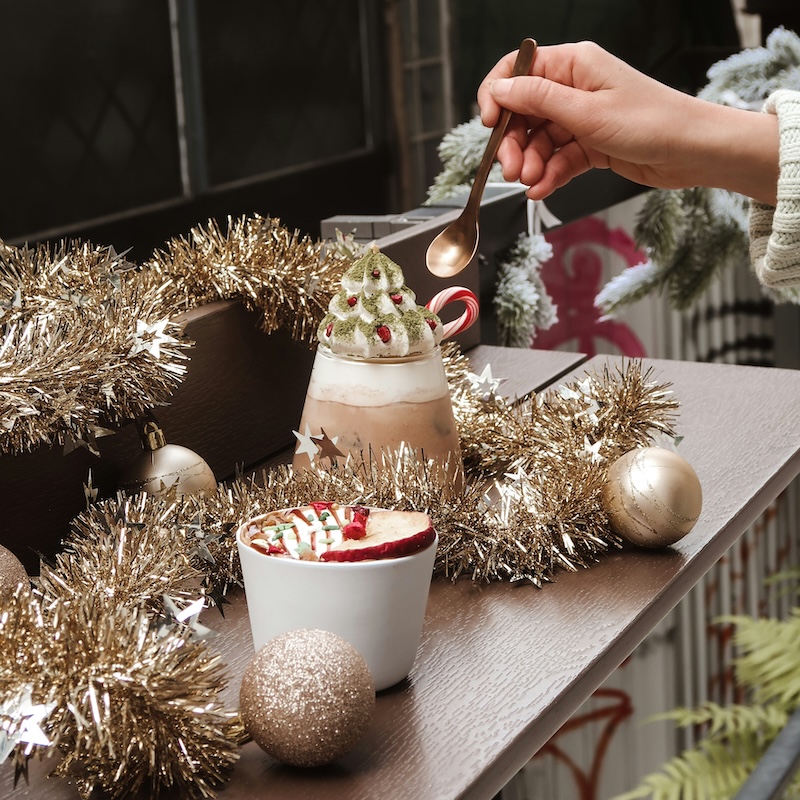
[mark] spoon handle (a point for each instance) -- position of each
(522, 66)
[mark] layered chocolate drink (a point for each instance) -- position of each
(378, 382)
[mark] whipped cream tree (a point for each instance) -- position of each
(375, 314)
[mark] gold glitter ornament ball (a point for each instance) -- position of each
(307, 697)
(652, 497)
(12, 573)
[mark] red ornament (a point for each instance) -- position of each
(351, 301)
(431, 323)
(384, 334)
(329, 329)
(396, 298)
(376, 273)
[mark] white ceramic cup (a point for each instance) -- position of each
(378, 606)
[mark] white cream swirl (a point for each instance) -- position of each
(375, 314)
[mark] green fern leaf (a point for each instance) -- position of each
(768, 661)
(712, 771)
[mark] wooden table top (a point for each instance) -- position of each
(501, 668)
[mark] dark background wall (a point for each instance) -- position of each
(283, 109)
(275, 115)
(673, 40)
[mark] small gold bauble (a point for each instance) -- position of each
(652, 497)
(12, 573)
(307, 697)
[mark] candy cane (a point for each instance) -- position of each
(440, 300)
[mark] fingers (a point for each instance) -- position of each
(524, 154)
(565, 164)
(510, 156)
(580, 66)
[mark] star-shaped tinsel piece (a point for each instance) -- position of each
(189, 616)
(149, 338)
(592, 451)
(198, 539)
(328, 448)
(306, 443)
(485, 384)
(20, 722)
(568, 393)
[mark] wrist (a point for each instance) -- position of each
(739, 152)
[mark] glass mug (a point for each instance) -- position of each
(354, 404)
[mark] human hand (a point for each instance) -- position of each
(582, 107)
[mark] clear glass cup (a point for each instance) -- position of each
(382, 403)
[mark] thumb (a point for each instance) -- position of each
(538, 97)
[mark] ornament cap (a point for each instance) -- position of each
(154, 436)
(151, 435)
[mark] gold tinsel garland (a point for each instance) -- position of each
(90, 340)
(531, 504)
(126, 703)
(86, 340)
(107, 656)
(287, 278)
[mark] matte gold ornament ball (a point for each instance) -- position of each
(171, 468)
(12, 573)
(163, 469)
(307, 697)
(652, 497)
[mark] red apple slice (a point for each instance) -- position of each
(390, 534)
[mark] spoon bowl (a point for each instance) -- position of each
(452, 250)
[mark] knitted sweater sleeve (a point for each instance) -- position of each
(775, 231)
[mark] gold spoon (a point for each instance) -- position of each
(454, 247)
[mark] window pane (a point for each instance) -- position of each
(282, 84)
(89, 111)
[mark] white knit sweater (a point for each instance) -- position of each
(775, 231)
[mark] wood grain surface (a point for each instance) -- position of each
(501, 668)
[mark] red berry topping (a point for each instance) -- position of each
(431, 323)
(384, 334)
(329, 329)
(351, 301)
(376, 273)
(321, 505)
(360, 514)
(396, 298)
(354, 530)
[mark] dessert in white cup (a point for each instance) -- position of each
(363, 574)
(378, 381)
